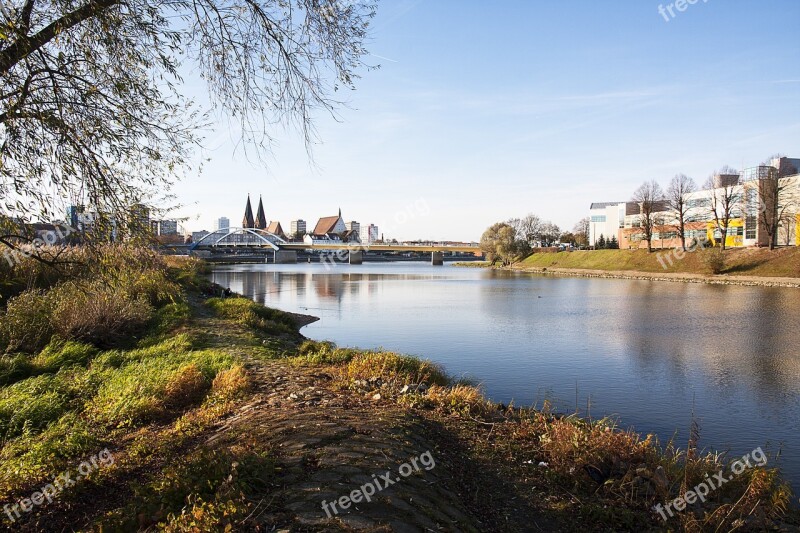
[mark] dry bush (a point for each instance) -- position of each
(27, 323)
(97, 315)
(570, 442)
(714, 259)
(458, 399)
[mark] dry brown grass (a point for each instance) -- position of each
(185, 388)
(231, 383)
(394, 369)
(457, 399)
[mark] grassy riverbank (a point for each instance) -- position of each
(218, 413)
(761, 262)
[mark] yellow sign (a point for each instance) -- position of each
(734, 237)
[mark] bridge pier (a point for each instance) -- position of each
(437, 258)
(355, 257)
(285, 257)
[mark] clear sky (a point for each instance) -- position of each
(486, 110)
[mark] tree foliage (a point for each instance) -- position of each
(501, 242)
(91, 103)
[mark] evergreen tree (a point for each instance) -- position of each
(601, 243)
(612, 243)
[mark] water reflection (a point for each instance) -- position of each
(652, 353)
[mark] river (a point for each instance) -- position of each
(648, 353)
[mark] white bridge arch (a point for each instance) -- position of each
(235, 237)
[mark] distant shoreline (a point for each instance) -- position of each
(757, 267)
(680, 277)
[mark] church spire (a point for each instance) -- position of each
(261, 219)
(247, 220)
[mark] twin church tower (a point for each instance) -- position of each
(260, 221)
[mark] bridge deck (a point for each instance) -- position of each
(380, 247)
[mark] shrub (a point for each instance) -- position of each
(714, 259)
(28, 272)
(26, 325)
(97, 315)
(189, 272)
(91, 312)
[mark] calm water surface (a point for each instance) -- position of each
(646, 352)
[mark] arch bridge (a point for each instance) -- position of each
(286, 252)
(238, 238)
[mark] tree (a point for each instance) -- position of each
(726, 199)
(778, 199)
(612, 243)
(501, 242)
(549, 233)
(581, 231)
(528, 228)
(567, 238)
(91, 108)
(676, 201)
(601, 243)
(651, 201)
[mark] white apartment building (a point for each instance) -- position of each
(369, 234)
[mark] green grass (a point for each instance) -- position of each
(783, 262)
(248, 313)
(151, 387)
(205, 491)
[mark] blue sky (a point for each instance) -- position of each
(483, 111)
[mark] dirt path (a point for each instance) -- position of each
(329, 442)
